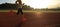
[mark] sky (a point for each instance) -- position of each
(37, 3)
(9, 1)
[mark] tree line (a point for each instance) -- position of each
(9, 6)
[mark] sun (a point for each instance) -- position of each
(38, 3)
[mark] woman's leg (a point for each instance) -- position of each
(20, 11)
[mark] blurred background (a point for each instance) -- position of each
(31, 5)
(37, 13)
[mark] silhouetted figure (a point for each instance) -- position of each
(19, 2)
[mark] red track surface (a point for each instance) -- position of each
(10, 19)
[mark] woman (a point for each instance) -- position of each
(19, 2)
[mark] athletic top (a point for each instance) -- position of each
(19, 2)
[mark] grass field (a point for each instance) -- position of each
(27, 11)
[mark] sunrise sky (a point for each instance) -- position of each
(37, 3)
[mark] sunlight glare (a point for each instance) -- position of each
(38, 3)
